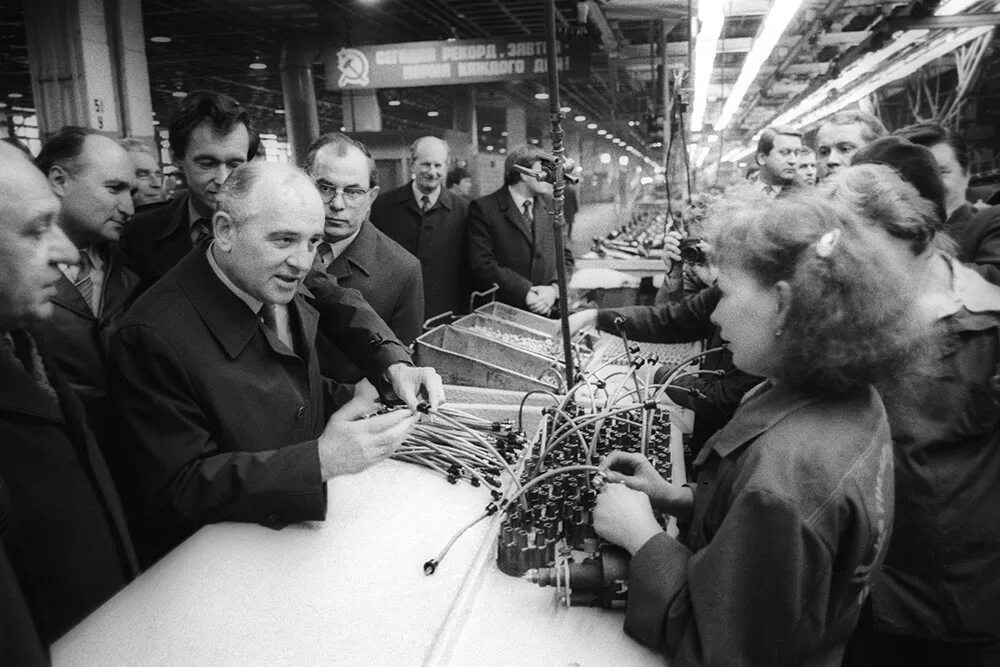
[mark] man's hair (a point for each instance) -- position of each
(456, 175)
(523, 156)
(873, 127)
(342, 144)
(133, 145)
(885, 199)
(769, 134)
(915, 164)
(848, 321)
(237, 196)
(932, 134)
(221, 111)
(64, 148)
(805, 150)
(416, 144)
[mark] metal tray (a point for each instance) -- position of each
(520, 317)
(464, 358)
(510, 333)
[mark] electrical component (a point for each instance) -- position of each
(600, 580)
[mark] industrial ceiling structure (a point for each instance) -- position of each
(755, 62)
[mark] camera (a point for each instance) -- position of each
(693, 251)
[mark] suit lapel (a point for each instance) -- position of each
(20, 393)
(509, 211)
(68, 296)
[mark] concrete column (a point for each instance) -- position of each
(517, 125)
(464, 118)
(88, 66)
(299, 95)
(133, 72)
(361, 111)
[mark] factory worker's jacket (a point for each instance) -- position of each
(792, 514)
(942, 574)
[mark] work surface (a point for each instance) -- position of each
(349, 590)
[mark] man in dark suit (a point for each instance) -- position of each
(222, 413)
(778, 158)
(429, 222)
(210, 135)
(976, 232)
(512, 241)
(64, 532)
(353, 250)
(93, 177)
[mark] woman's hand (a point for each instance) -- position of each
(636, 472)
(625, 517)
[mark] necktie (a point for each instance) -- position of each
(526, 209)
(324, 256)
(84, 281)
(199, 231)
(268, 315)
(425, 203)
(770, 191)
(19, 347)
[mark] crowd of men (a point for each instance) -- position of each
(168, 364)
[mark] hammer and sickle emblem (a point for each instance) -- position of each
(353, 66)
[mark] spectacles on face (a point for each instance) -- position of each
(353, 196)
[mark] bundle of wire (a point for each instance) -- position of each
(544, 486)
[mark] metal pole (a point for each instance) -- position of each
(559, 185)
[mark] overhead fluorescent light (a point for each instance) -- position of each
(710, 20)
(932, 50)
(774, 26)
(869, 64)
(737, 152)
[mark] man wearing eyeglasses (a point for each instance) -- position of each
(778, 158)
(353, 251)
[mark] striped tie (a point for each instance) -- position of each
(425, 203)
(84, 282)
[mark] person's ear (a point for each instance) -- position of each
(58, 179)
(783, 292)
(761, 157)
(223, 229)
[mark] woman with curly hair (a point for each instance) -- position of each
(790, 514)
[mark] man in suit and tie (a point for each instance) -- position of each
(63, 529)
(210, 135)
(222, 412)
(778, 158)
(429, 222)
(93, 178)
(512, 241)
(353, 250)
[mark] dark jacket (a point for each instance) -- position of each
(78, 340)
(387, 276)
(436, 238)
(792, 511)
(687, 321)
(217, 420)
(942, 574)
(977, 234)
(65, 533)
(19, 640)
(157, 238)
(505, 249)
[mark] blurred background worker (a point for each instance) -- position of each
(148, 174)
(428, 220)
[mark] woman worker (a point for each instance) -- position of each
(790, 515)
